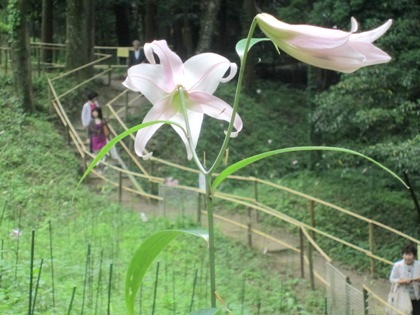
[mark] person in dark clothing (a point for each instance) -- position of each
(136, 56)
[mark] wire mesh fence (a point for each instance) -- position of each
(342, 297)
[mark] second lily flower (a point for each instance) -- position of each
(326, 48)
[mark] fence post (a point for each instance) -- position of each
(120, 186)
(109, 72)
(348, 303)
(302, 253)
(372, 247)
(312, 212)
(126, 105)
(6, 60)
(50, 100)
(311, 265)
(38, 53)
(68, 134)
(365, 302)
(249, 228)
(257, 214)
(199, 198)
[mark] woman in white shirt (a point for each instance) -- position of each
(406, 273)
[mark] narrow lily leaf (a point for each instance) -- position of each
(118, 138)
(241, 45)
(145, 255)
(211, 311)
(241, 164)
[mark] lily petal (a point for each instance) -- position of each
(372, 35)
(216, 108)
(205, 71)
(158, 112)
(195, 120)
(302, 36)
(147, 79)
(171, 63)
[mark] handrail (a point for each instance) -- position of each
(81, 67)
(83, 83)
(69, 124)
(314, 244)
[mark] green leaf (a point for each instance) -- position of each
(241, 164)
(210, 311)
(144, 257)
(118, 138)
(241, 45)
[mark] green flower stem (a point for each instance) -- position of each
(236, 100)
(210, 223)
(209, 203)
(208, 174)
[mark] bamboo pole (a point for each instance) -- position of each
(312, 213)
(52, 262)
(71, 301)
(301, 254)
(372, 247)
(31, 272)
(120, 187)
(249, 228)
(311, 265)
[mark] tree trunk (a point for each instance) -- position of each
(47, 29)
(249, 12)
(149, 20)
(20, 53)
(122, 25)
(79, 34)
(186, 33)
(314, 86)
(208, 20)
(90, 29)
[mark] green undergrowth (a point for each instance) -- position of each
(80, 237)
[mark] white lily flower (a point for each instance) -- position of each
(326, 48)
(199, 76)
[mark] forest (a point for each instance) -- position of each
(373, 111)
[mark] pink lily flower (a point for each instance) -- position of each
(326, 48)
(199, 76)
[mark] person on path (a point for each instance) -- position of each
(87, 109)
(96, 130)
(406, 273)
(136, 56)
